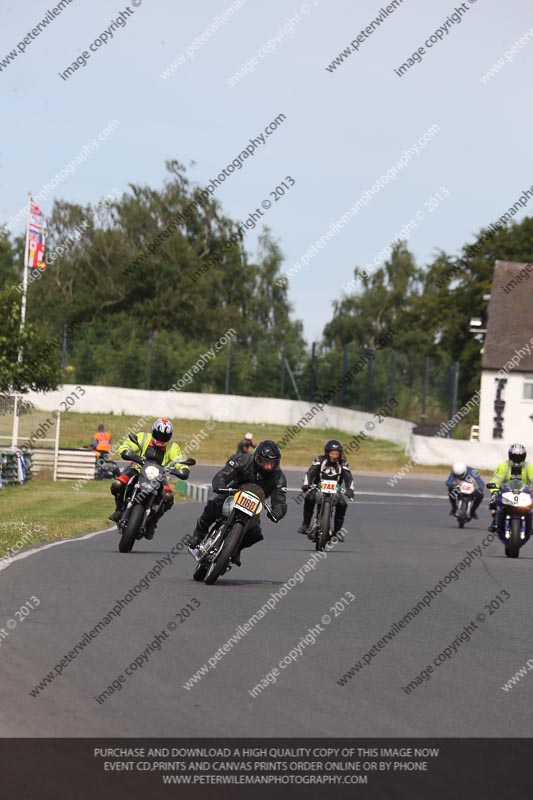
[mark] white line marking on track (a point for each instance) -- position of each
(392, 494)
(32, 552)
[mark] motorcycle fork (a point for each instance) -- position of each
(129, 502)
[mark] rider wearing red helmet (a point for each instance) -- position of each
(157, 447)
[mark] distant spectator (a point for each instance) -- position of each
(102, 440)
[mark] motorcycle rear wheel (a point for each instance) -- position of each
(127, 539)
(228, 548)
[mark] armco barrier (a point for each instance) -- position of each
(197, 491)
(71, 464)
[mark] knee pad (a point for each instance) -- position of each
(116, 488)
(169, 498)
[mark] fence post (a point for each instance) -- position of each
(228, 367)
(343, 372)
(454, 392)
(368, 399)
(15, 433)
(423, 415)
(56, 446)
(283, 370)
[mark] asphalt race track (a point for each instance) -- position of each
(401, 542)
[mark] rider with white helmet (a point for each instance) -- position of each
(460, 472)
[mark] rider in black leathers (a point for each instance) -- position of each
(260, 468)
(330, 465)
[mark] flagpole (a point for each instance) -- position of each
(15, 433)
(25, 273)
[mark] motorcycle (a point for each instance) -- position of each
(143, 499)
(515, 504)
(104, 466)
(321, 530)
(227, 532)
(464, 496)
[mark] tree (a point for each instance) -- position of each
(39, 369)
(170, 262)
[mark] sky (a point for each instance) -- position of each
(238, 65)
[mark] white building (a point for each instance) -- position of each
(506, 408)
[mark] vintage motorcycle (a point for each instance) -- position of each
(225, 535)
(321, 528)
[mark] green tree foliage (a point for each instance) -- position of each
(429, 311)
(169, 263)
(38, 369)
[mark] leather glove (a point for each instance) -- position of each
(350, 494)
(182, 473)
(305, 487)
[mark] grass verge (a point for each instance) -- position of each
(43, 511)
(215, 444)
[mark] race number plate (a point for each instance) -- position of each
(248, 502)
(466, 488)
(520, 500)
(329, 487)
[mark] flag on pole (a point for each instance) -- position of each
(36, 237)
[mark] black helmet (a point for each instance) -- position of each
(333, 444)
(517, 454)
(267, 456)
(162, 432)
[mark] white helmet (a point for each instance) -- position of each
(459, 469)
(248, 436)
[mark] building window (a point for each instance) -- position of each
(528, 390)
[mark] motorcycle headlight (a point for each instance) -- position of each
(151, 472)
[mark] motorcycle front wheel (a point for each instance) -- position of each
(132, 526)
(233, 540)
(323, 533)
(513, 548)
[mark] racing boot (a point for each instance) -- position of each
(117, 513)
